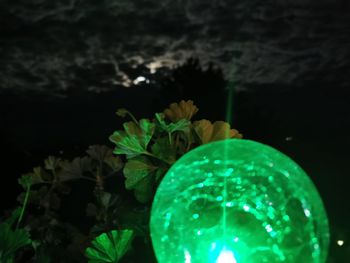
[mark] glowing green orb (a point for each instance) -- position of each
(238, 201)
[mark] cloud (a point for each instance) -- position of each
(60, 44)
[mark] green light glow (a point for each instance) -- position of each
(238, 201)
(226, 256)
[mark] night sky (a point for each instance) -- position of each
(68, 65)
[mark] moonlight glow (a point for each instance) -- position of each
(238, 201)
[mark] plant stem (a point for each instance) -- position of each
(169, 135)
(132, 117)
(23, 206)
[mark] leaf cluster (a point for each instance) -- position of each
(144, 151)
(152, 146)
(47, 184)
(52, 179)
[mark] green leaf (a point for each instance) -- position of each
(164, 150)
(147, 128)
(122, 112)
(75, 169)
(136, 218)
(181, 125)
(99, 152)
(115, 163)
(39, 175)
(109, 247)
(139, 174)
(11, 241)
(160, 173)
(144, 190)
(51, 163)
(136, 170)
(25, 180)
(134, 140)
(125, 144)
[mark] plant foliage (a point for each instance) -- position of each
(109, 247)
(144, 150)
(151, 147)
(11, 240)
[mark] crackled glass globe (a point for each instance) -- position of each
(238, 201)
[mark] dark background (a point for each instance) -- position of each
(66, 66)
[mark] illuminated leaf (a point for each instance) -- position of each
(139, 174)
(160, 173)
(144, 131)
(26, 180)
(29, 179)
(11, 241)
(144, 190)
(51, 163)
(182, 110)
(222, 130)
(164, 150)
(219, 130)
(181, 125)
(125, 144)
(136, 170)
(109, 247)
(122, 112)
(39, 175)
(134, 139)
(204, 130)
